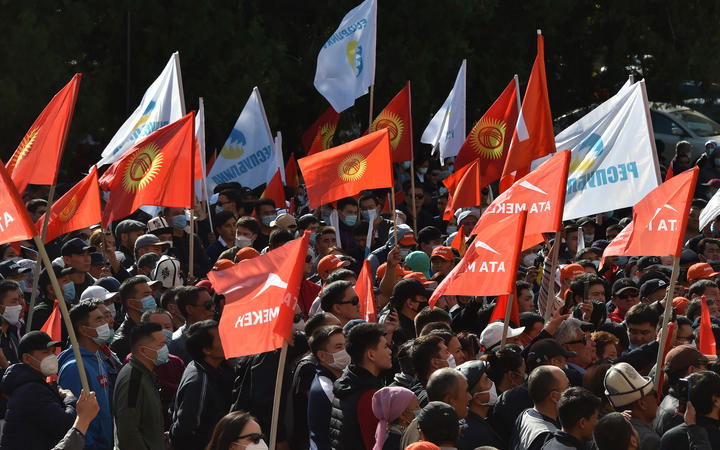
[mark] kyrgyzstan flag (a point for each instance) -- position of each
(541, 193)
(291, 173)
(260, 295)
(275, 190)
(157, 171)
(15, 224)
(365, 291)
(533, 137)
(397, 118)
(323, 130)
(659, 220)
(347, 169)
(489, 140)
(77, 209)
(489, 266)
(37, 158)
(707, 338)
(467, 188)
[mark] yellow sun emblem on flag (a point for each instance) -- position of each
(142, 167)
(352, 168)
(24, 148)
(487, 138)
(69, 210)
(327, 133)
(394, 125)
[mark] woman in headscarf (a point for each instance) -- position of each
(395, 408)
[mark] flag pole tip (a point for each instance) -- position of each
(539, 31)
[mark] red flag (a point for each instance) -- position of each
(324, 127)
(670, 172)
(347, 169)
(261, 294)
(707, 338)
(275, 190)
(489, 140)
(533, 137)
(37, 158)
(489, 266)
(77, 209)
(500, 308)
(397, 118)
(459, 242)
(468, 188)
(15, 224)
(291, 173)
(156, 171)
(541, 193)
(659, 220)
(53, 325)
(364, 288)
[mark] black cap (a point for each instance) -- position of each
(109, 283)
(35, 340)
(688, 257)
(76, 246)
(585, 220)
(97, 259)
(60, 271)
(651, 286)
(129, 225)
(10, 268)
(647, 261)
(622, 285)
(473, 371)
(437, 415)
(408, 288)
(544, 350)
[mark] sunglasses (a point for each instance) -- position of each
(355, 301)
(208, 305)
(254, 437)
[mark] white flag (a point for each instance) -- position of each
(346, 63)
(248, 155)
(200, 187)
(161, 105)
(614, 162)
(710, 211)
(446, 130)
(278, 165)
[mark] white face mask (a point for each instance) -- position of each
(259, 446)
(242, 241)
(103, 334)
(589, 238)
(48, 365)
(12, 314)
(493, 395)
(451, 362)
(341, 359)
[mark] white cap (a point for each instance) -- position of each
(624, 385)
(492, 334)
(98, 292)
(167, 271)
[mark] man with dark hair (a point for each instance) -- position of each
(325, 240)
(230, 200)
(137, 406)
(136, 297)
(247, 230)
(426, 316)
(408, 298)
(625, 295)
(347, 209)
(536, 425)
(195, 305)
(641, 322)
(476, 430)
(428, 239)
(352, 423)
(36, 207)
(204, 394)
(278, 238)
(709, 250)
(707, 288)
(181, 243)
(578, 411)
(429, 353)
(525, 297)
(704, 394)
(370, 210)
(168, 302)
(224, 224)
(614, 432)
(327, 345)
(340, 299)
(438, 423)
(92, 331)
(76, 254)
(265, 211)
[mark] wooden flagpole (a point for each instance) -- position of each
(276, 397)
(667, 315)
(506, 321)
(39, 262)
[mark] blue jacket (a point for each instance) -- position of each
(319, 407)
(100, 433)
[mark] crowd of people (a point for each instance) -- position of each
(147, 319)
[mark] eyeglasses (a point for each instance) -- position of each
(208, 305)
(254, 437)
(355, 301)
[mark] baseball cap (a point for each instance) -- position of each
(652, 286)
(680, 304)
(129, 225)
(109, 283)
(98, 292)
(688, 257)
(380, 272)
(624, 385)
(246, 253)
(473, 371)
(437, 415)
(60, 271)
(76, 246)
(647, 261)
(492, 334)
(158, 225)
(402, 231)
(681, 357)
(622, 285)
(11, 268)
(167, 271)
(408, 288)
(422, 445)
(408, 239)
(284, 221)
(331, 262)
(464, 215)
(701, 271)
(443, 252)
(151, 283)
(147, 240)
(570, 271)
(544, 350)
(422, 279)
(586, 220)
(35, 340)
(222, 264)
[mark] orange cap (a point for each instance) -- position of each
(570, 271)
(680, 304)
(701, 271)
(421, 278)
(408, 239)
(222, 264)
(443, 252)
(331, 262)
(246, 253)
(380, 272)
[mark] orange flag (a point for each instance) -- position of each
(347, 169)
(533, 137)
(15, 224)
(489, 266)
(397, 118)
(323, 131)
(541, 193)
(364, 288)
(261, 294)
(501, 307)
(489, 140)
(707, 338)
(468, 188)
(78, 208)
(156, 171)
(53, 325)
(275, 191)
(459, 242)
(659, 220)
(291, 173)
(37, 158)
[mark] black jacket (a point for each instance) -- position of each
(477, 432)
(344, 427)
(202, 399)
(37, 416)
(678, 439)
(564, 441)
(121, 343)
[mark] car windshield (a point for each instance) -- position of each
(699, 124)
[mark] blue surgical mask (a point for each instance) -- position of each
(69, 291)
(267, 219)
(148, 303)
(218, 208)
(168, 334)
(22, 284)
(179, 222)
(365, 214)
(350, 220)
(313, 238)
(163, 355)
(111, 336)
(406, 165)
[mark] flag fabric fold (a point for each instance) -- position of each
(467, 188)
(706, 343)
(291, 172)
(364, 288)
(324, 127)
(446, 130)
(397, 118)
(15, 224)
(275, 191)
(53, 325)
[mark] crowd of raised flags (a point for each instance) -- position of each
(364, 295)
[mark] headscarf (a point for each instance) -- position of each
(388, 404)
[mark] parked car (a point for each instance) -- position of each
(673, 123)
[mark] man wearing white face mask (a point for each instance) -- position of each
(328, 346)
(11, 325)
(38, 414)
(92, 331)
(475, 430)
